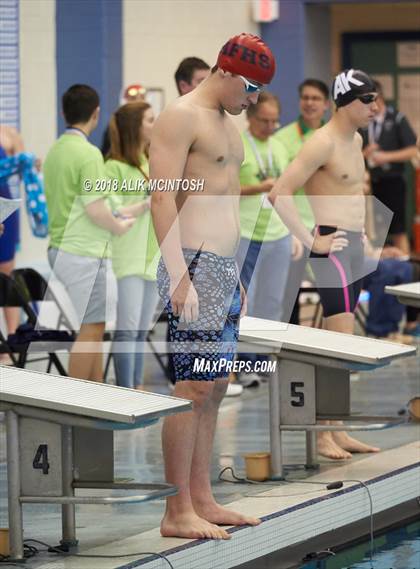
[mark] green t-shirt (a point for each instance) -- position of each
(259, 220)
(292, 137)
(71, 165)
(137, 251)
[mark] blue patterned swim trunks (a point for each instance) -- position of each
(213, 337)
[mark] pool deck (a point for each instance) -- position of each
(293, 514)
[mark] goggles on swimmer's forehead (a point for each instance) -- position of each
(367, 99)
(251, 87)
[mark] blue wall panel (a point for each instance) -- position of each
(89, 50)
(286, 38)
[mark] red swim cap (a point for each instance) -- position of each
(248, 55)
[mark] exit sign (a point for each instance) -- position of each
(265, 10)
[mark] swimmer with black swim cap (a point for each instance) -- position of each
(331, 168)
(352, 84)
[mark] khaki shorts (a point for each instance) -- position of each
(85, 281)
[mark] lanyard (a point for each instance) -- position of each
(263, 169)
(303, 129)
(145, 176)
(375, 130)
(300, 131)
(75, 130)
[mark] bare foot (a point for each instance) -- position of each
(191, 526)
(217, 514)
(352, 445)
(6, 360)
(327, 447)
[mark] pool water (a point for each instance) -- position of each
(398, 549)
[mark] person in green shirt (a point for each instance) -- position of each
(313, 104)
(265, 249)
(81, 225)
(135, 255)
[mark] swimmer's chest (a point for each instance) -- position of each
(218, 142)
(346, 166)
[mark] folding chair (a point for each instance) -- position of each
(12, 295)
(316, 319)
(35, 289)
(164, 360)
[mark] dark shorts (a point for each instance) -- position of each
(339, 275)
(392, 193)
(201, 349)
(10, 238)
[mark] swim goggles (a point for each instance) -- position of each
(367, 99)
(251, 87)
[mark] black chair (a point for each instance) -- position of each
(9, 297)
(35, 289)
(316, 319)
(164, 360)
(17, 345)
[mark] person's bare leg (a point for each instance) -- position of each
(325, 441)
(345, 323)
(327, 447)
(401, 241)
(97, 373)
(200, 485)
(179, 436)
(87, 365)
(349, 443)
(11, 314)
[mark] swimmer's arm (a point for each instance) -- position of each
(314, 154)
(172, 137)
(264, 187)
(370, 251)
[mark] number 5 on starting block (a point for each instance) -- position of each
(297, 393)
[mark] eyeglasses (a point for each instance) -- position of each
(314, 99)
(251, 87)
(267, 122)
(367, 99)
